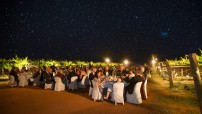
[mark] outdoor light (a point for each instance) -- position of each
(107, 60)
(126, 62)
(153, 61)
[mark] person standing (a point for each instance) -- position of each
(92, 75)
(47, 75)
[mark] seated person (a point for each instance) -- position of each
(133, 80)
(61, 75)
(71, 74)
(81, 75)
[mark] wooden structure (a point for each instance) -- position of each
(197, 77)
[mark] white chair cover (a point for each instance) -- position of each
(145, 88)
(28, 76)
(12, 81)
(96, 94)
(48, 86)
(22, 79)
(135, 98)
(59, 86)
(82, 83)
(73, 84)
(117, 96)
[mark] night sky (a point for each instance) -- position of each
(94, 29)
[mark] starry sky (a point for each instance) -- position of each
(94, 29)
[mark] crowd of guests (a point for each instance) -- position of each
(129, 75)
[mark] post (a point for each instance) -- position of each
(196, 76)
(160, 68)
(169, 74)
(2, 71)
(182, 74)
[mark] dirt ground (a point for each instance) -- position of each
(35, 100)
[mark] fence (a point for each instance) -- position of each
(191, 74)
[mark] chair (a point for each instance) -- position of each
(36, 81)
(145, 89)
(82, 83)
(28, 76)
(117, 96)
(96, 94)
(59, 86)
(73, 83)
(12, 82)
(22, 80)
(48, 86)
(135, 97)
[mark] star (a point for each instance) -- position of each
(73, 29)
